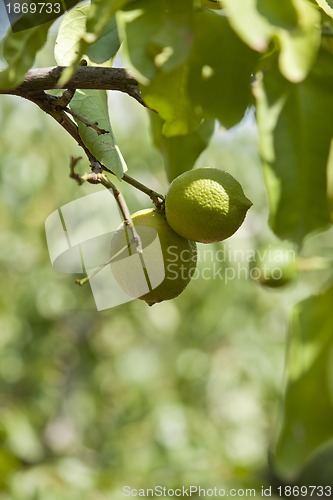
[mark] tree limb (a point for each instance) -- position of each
(49, 104)
(85, 77)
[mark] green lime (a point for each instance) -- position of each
(206, 205)
(275, 265)
(167, 264)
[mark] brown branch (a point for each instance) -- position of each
(49, 104)
(85, 77)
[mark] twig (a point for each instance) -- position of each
(135, 238)
(72, 174)
(157, 198)
(93, 125)
(66, 98)
(49, 104)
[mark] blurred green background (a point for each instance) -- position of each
(185, 392)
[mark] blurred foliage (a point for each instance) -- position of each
(185, 392)
(310, 353)
(188, 391)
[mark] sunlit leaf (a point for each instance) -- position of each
(72, 44)
(70, 31)
(327, 6)
(249, 24)
(19, 51)
(168, 95)
(93, 106)
(299, 46)
(181, 152)
(293, 25)
(220, 70)
(296, 128)
(308, 403)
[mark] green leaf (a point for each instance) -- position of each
(293, 25)
(100, 12)
(19, 51)
(249, 24)
(70, 31)
(327, 6)
(308, 404)
(168, 95)
(106, 45)
(157, 40)
(93, 106)
(72, 43)
(299, 46)
(181, 152)
(157, 34)
(220, 69)
(295, 128)
(318, 469)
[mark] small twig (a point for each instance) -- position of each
(66, 98)
(93, 125)
(72, 174)
(94, 178)
(49, 104)
(87, 278)
(157, 198)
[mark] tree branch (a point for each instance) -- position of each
(49, 104)
(38, 80)
(85, 77)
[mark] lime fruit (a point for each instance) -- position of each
(275, 265)
(206, 205)
(167, 264)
